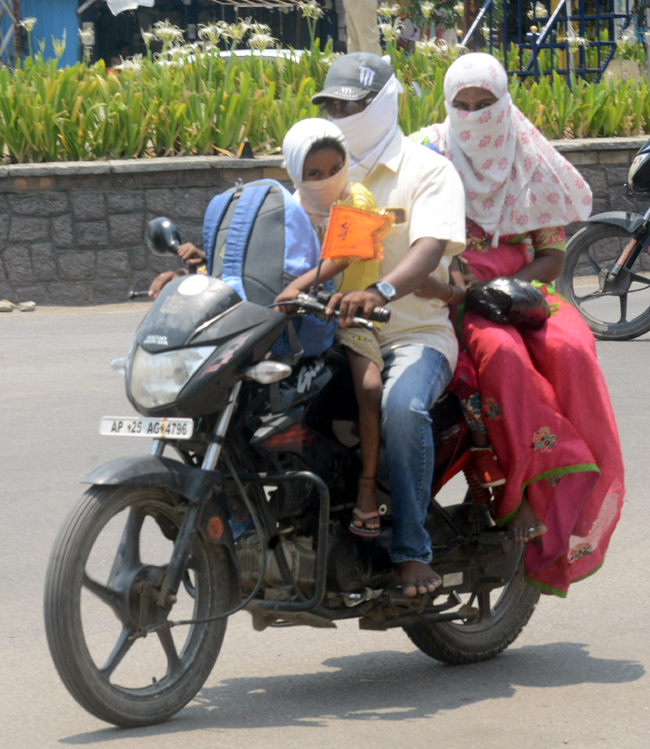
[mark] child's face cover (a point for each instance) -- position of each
(316, 196)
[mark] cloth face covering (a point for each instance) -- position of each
(370, 131)
(316, 196)
(514, 180)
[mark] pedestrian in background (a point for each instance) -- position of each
(363, 30)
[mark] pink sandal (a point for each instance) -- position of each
(363, 516)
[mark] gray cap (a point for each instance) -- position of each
(354, 76)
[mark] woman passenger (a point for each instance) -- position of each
(543, 396)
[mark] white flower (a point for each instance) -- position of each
(148, 37)
(236, 31)
(86, 37)
(261, 41)
(432, 46)
(133, 63)
(28, 24)
(459, 9)
(211, 31)
(391, 31)
(311, 10)
(427, 9)
(167, 33)
(573, 40)
(387, 11)
(538, 11)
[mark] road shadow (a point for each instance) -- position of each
(387, 686)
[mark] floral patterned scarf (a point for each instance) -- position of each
(515, 181)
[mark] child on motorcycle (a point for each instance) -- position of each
(317, 162)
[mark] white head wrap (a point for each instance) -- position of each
(315, 196)
(370, 131)
(515, 181)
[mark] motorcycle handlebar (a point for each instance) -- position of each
(318, 306)
(380, 314)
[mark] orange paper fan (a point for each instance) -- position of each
(354, 234)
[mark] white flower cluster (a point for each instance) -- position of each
(311, 10)
(538, 11)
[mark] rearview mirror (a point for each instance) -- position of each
(163, 237)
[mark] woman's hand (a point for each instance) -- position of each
(546, 266)
(161, 280)
(469, 278)
(287, 294)
(190, 254)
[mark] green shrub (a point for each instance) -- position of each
(196, 102)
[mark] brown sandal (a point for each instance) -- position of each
(359, 516)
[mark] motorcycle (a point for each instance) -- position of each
(608, 265)
(252, 513)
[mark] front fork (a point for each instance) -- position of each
(627, 258)
(180, 554)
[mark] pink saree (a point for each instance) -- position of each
(547, 411)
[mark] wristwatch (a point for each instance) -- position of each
(387, 290)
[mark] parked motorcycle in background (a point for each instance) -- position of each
(606, 275)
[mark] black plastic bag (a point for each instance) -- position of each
(509, 301)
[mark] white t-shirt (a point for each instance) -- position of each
(427, 186)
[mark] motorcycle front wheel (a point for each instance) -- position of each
(621, 310)
(101, 590)
(504, 613)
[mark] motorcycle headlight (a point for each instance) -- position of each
(157, 379)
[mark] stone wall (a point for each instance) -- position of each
(72, 233)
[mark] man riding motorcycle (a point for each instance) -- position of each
(418, 344)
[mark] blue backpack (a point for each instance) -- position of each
(257, 239)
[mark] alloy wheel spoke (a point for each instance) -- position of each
(105, 594)
(122, 647)
(484, 604)
(640, 279)
(593, 263)
(623, 301)
(128, 552)
(169, 646)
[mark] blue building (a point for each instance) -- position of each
(53, 19)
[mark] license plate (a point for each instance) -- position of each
(129, 426)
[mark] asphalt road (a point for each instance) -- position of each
(576, 676)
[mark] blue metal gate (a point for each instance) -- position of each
(563, 41)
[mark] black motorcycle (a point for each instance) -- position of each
(249, 509)
(606, 275)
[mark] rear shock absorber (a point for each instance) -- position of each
(481, 494)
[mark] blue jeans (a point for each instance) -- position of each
(414, 378)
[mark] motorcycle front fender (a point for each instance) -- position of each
(192, 483)
(631, 222)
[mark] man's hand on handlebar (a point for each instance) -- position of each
(354, 303)
(163, 279)
(190, 254)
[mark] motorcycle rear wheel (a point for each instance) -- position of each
(593, 248)
(79, 595)
(460, 644)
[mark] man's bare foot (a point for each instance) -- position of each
(365, 518)
(525, 526)
(417, 578)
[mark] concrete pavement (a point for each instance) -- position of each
(576, 677)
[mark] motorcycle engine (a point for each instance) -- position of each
(298, 551)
